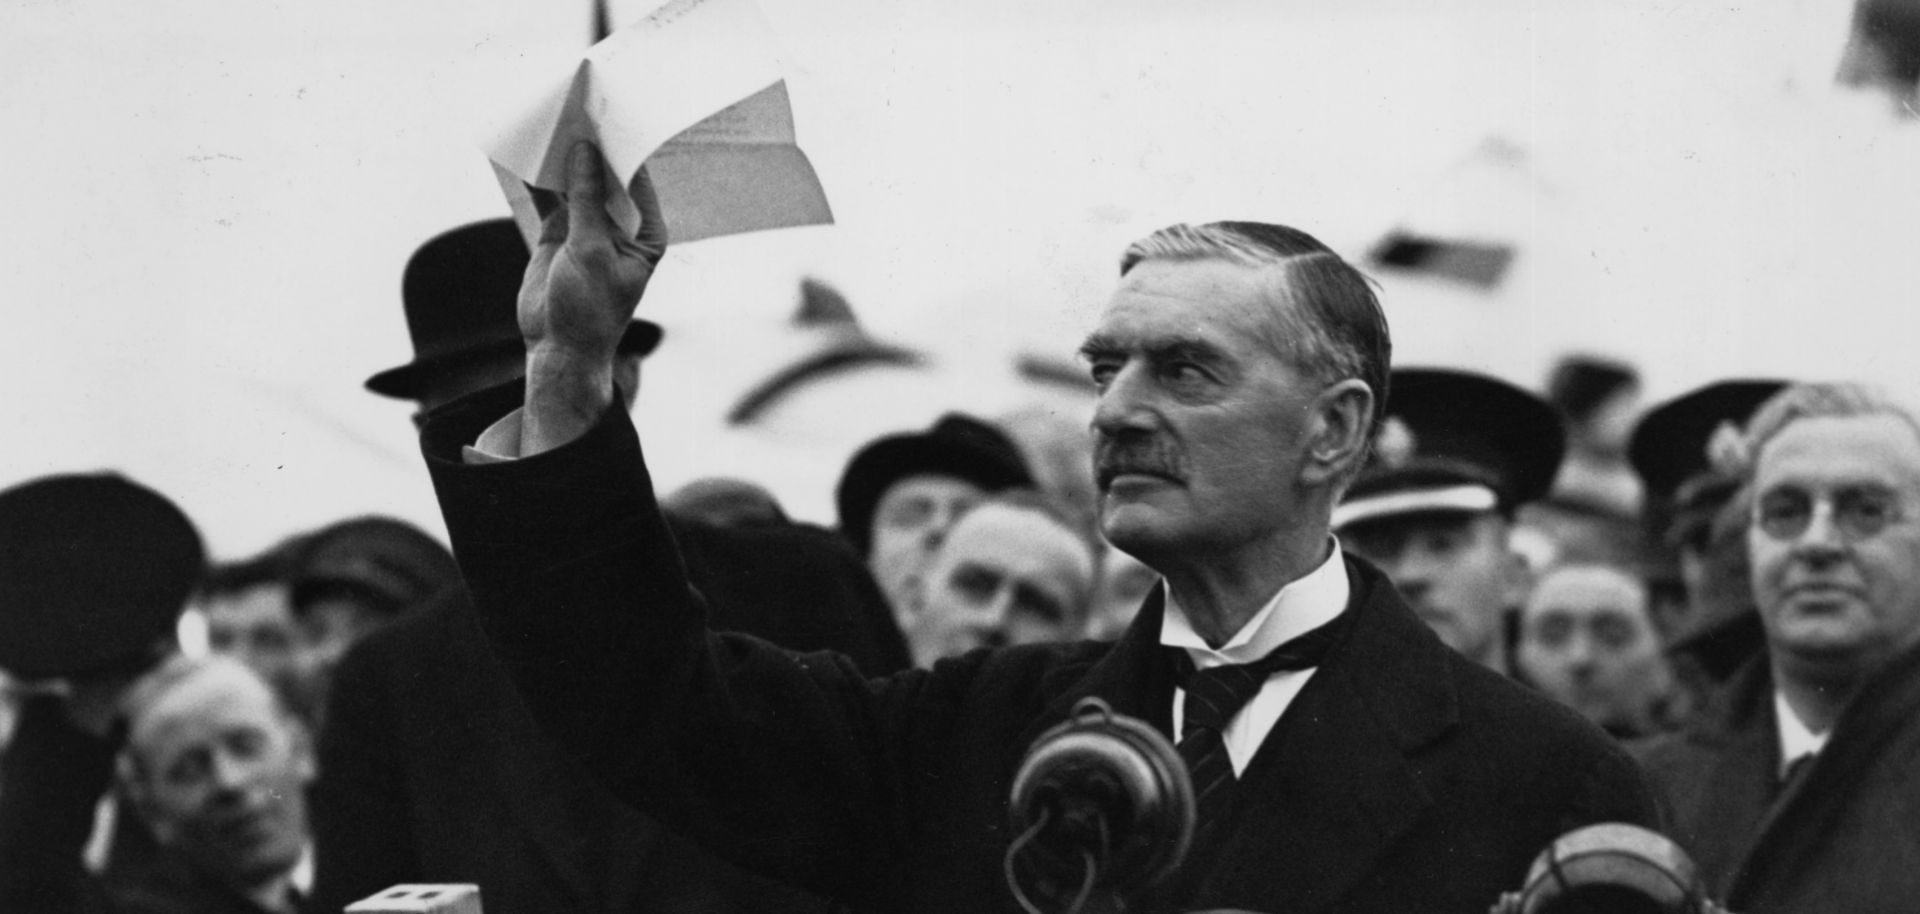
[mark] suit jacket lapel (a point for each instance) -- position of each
(1331, 789)
(1733, 793)
(1134, 678)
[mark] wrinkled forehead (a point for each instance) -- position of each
(1017, 538)
(1201, 299)
(930, 486)
(1588, 590)
(206, 701)
(263, 601)
(1833, 451)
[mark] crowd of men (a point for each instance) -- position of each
(1401, 623)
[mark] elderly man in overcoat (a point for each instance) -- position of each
(1240, 367)
(1795, 792)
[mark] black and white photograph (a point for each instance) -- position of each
(1049, 458)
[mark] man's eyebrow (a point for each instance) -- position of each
(1100, 344)
(1185, 349)
(1167, 349)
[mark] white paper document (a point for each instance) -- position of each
(694, 92)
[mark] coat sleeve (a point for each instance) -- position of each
(362, 832)
(791, 764)
(50, 778)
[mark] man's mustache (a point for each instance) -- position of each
(1128, 456)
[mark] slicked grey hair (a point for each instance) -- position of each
(1824, 400)
(1335, 328)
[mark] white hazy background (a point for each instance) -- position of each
(211, 201)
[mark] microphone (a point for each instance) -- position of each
(1102, 808)
(1612, 867)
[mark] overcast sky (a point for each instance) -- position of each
(212, 201)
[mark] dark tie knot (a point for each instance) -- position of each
(1216, 694)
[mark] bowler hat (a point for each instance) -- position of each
(94, 570)
(461, 293)
(957, 445)
(1456, 441)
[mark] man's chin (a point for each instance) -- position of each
(1825, 641)
(1137, 529)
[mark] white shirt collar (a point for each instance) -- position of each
(1299, 607)
(1796, 738)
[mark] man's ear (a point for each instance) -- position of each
(1342, 419)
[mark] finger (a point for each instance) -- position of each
(653, 226)
(553, 226)
(586, 195)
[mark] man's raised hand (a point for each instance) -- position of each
(581, 287)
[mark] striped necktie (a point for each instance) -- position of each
(1216, 695)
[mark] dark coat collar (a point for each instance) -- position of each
(1338, 758)
(1739, 709)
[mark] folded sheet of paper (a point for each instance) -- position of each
(692, 91)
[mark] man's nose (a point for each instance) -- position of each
(1125, 404)
(936, 531)
(990, 617)
(228, 774)
(1581, 657)
(1822, 540)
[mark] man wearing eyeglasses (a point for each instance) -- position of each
(1794, 792)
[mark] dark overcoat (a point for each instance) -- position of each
(51, 778)
(432, 770)
(1716, 779)
(1842, 835)
(1402, 778)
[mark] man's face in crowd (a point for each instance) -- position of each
(1200, 426)
(1456, 570)
(1587, 639)
(1835, 541)
(256, 627)
(223, 775)
(1005, 575)
(908, 524)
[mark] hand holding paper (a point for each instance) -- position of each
(585, 279)
(694, 90)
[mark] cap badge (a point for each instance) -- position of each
(1728, 450)
(1395, 445)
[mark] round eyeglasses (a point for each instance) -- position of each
(1857, 512)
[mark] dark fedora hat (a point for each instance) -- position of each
(957, 445)
(461, 293)
(94, 570)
